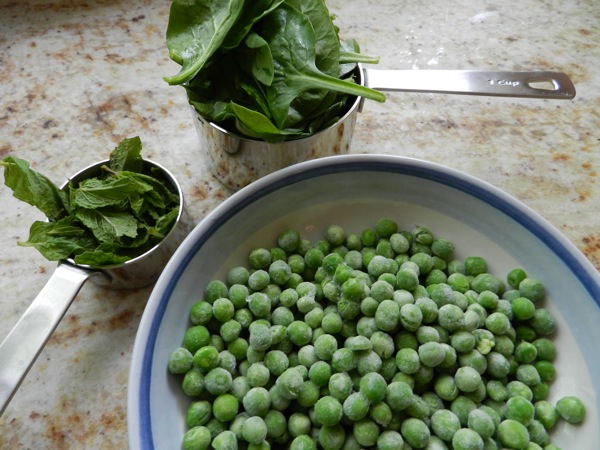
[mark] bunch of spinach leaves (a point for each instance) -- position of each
(269, 69)
(101, 221)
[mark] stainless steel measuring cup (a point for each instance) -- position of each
(21, 347)
(237, 161)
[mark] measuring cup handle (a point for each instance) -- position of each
(26, 340)
(535, 84)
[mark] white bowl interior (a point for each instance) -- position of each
(354, 191)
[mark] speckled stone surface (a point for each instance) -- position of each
(78, 76)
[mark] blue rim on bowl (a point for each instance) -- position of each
(293, 185)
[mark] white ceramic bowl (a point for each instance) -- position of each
(354, 191)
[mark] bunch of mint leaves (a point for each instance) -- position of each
(102, 221)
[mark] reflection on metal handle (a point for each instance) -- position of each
(26, 340)
(551, 85)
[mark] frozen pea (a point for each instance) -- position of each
(403, 297)
(517, 388)
(368, 361)
(307, 356)
(482, 423)
(325, 346)
(475, 265)
(238, 294)
(340, 385)
(390, 440)
(328, 411)
(525, 352)
(537, 433)
(381, 290)
(198, 413)
(543, 322)
(309, 394)
(196, 438)
(519, 409)
(546, 370)
(462, 341)
(444, 424)
(546, 413)
(254, 430)
(474, 359)
(343, 360)
(427, 333)
(215, 289)
(467, 379)
(407, 279)
(429, 309)
(498, 323)
(259, 258)
(289, 383)
(399, 243)
(522, 308)
(496, 390)
(218, 381)
(230, 330)
(381, 414)
(206, 358)
(387, 315)
(332, 438)
(532, 289)
(356, 406)
(431, 354)
(415, 432)
(303, 442)
(366, 432)
(225, 440)
(546, 349)
(279, 273)
(299, 333)
(195, 337)
(278, 402)
(445, 387)
(386, 227)
(378, 265)
(399, 395)
(487, 282)
(528, 375)
(504, 345)
(314, 317)
(411, 317)
(498, 365)
(407, 360)
(223, 309)
(180, 361)
(259, 304)
(193, 383)
(258, 375)
(467, 439)
(368, 306)
(225, 407)
(320, 373)
(571, 409)
(358, 343)
(227, 361)
(238, 348)
(513, 434)
(200, 313)
(276, 423)
(382, 344)
(451, 317)
(366, 326)
(260, 337)
(373, 386)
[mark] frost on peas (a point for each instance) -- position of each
(571, 409)
(513, 434)
(467, 439)
(196, 438)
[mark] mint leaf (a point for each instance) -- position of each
(107, 225)
(99, 258)
(114, 191)
(127, 156)
(59, 240)
(34, 188)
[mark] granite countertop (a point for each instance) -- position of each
(78, 76)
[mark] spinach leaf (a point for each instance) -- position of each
(292, 41)
(34, 188)
(252, 12)
(196, 30)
